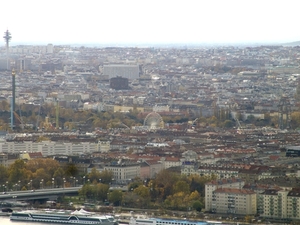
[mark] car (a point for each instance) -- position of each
(3, 192)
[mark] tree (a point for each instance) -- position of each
(3, 174)
(144, 194)
(106, 176)
(164, 183)
(178, 201)
(101, 191)
(87, 191)
(181, 186)
(194, 196)
(115, 197)
(142, 191)
(58, 177)
(197, 205)
(71, 170)
(49, 166)
(41, 175)
(17, 171)
(131, 199)
(94, 175)
(197, 183)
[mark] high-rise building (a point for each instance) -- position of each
(50, 48)
(130, 72)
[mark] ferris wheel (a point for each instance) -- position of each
(154, 121)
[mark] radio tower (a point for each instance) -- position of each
(7, 37)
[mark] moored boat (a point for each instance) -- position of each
(159, 221)
(62, 218)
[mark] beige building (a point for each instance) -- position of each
(104, 146)
(210, 187)
(234, 201)
(282, 204)
(169, 162)
(51, 147)
(220, 171)
(124, 172)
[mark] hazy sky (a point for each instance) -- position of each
(145, 21)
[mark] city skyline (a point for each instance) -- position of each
(153, 22)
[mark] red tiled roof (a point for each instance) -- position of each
(34, 155)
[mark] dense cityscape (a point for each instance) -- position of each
(222, 123)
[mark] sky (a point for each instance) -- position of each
(137, 22)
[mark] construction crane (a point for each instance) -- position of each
(194, 122)
(124, 125)
(19, 120)
(239, 124)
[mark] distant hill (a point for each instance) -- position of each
(295, 43)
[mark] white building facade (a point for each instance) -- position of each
(123, 173)
(48, 148)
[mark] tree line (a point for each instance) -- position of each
(167, 189)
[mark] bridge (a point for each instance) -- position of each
(40, 194)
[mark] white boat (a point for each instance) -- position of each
(62, 218)
(158, 221)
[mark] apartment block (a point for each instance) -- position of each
(210, 187)
(234, 201)
(124, 172)
(280, 204)
(220, 171)
(49, 147)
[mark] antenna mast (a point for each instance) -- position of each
(7, 37)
